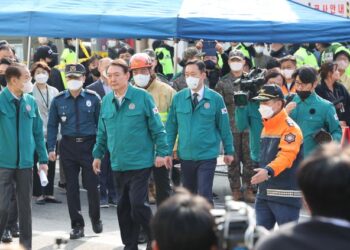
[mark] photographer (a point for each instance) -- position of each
(184, 222)
(315, 116)
(324, 181)
(227, 88)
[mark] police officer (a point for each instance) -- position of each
(227, 88)
(21, 133)
(163, 94)
(77, 111)
(305, 57)
(313, 114)
(278, 198)
(131, 129)
(199, 117)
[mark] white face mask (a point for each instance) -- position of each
(287, 73)
(342, 64)
(27, 87)
(236, 66)
(265, 111)
(74, 84)
(192, 82)
(41, 78)
(259, 49)
(142, 80)
(111, 43)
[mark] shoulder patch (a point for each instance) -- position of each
(224, 111)
(290, 122)
(92, 92)
(155, 110)
(290, 138)
(336, 117)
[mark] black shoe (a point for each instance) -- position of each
(143, 238)
(97, 227)
(62, 186)
(6, 236)
(15, 231)
(76, 233)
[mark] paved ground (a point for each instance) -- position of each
(51, 221)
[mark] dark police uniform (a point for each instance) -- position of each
(78, 118)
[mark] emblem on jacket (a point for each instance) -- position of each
(289, 138)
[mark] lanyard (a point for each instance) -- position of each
(47, 96)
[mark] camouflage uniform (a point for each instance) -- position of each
(241, 139)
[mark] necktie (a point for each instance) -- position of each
(195, 100)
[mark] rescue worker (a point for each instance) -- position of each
(153, 57)
(130, 127)
(305, 57)
(199, 118)
(227, 87)
(76, 110)
(315, 115)
(162, 93)
(288, 66)
(278, 198)
(327, 51)
(21, 133)
(278, 50)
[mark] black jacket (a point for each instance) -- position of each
(310, 235)
(339, 97)
(98, 88)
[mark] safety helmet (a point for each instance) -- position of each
(140, 60)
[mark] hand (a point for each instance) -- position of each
(169, 162)
(228, 159)
(219, 47)
(159, 162)
(43, 167)
(199, 44)
(52, 156)
(260, 176)
(96, 166)
(290, 106)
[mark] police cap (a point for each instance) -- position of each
(75, 70)
(269, 92)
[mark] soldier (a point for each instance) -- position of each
(227, 88)
(77, 111)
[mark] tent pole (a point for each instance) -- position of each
(176, 49)
(76, 51)
(28, 52)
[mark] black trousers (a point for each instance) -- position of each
(76, 156)
(133, 208)
(38, 190)
(162, 182)
(24, 183)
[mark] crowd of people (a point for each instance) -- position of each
(124, 120)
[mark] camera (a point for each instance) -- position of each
(249, 86)
(235, 226)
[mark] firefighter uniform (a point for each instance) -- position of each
(163, 95)
(278, 198)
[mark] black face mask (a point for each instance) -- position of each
(3, 81)
(209, 64)
(95, 72)
(304, 94)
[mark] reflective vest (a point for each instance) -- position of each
(220, 62)
(166, 62)
(328, 54)
(245, 52)
(305, 57)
